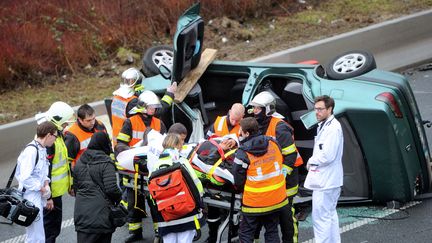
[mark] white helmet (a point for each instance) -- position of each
(265, 99)
(145, 100)
(60, 113)
(131, 77)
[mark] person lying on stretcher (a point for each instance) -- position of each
(212, 159)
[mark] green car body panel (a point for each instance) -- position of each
(393, 151)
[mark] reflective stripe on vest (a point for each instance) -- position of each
(180, 221)
(271, 131)
(83, 137)
(60, 174)
(138, 128)
(251, 210)
(221, 127)
(264, 189)
(118, 113)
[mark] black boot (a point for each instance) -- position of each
(213, 231)
(135, 236)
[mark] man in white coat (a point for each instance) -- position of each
(32, 176)
(325, 176)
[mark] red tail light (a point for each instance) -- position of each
(390, 100)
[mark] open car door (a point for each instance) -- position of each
(188, 42)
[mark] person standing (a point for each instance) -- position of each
(134, 133)
(223, 125)
(77, 137)
(183, 229)
(32, 176)
(258, 169)
(96, 189)
(60, 114)
(271, 124)
(228, 124)
(325, 176)
(125, 98)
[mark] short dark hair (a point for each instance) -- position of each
(250, 125)
(85, 110)
(45, 128)
(328, 101)
(178, 128)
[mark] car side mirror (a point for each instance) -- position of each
(309, 119)
(165, 71)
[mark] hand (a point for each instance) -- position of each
(71, 192)
(47, 192)
(172, 88)
(286, 170)
(50, 204)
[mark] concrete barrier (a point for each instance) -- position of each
(395, 44)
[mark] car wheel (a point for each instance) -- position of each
(154, 57)
(350, 64)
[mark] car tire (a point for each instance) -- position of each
(350, 64)
(154, 57)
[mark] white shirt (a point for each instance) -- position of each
(29, 176)
(326, 169)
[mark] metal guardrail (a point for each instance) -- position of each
(396, 44)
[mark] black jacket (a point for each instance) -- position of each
(92, 208)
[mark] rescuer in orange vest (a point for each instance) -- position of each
(126, 98)
(258, 169)
(228, 124)
(271, 124)
(77, 136)
(223, 125)
(134, 133)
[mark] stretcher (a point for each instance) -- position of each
(134, 164)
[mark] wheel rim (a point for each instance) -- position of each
(163, 57)
(349, 63)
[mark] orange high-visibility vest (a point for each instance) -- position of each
(221, 127)
(118, 114)
(138, 128)
(264, 190)
(83, 137)
(271, 131)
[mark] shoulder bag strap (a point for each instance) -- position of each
(9, 183)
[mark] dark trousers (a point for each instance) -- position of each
(213, 222)
(52, 220)
(288, 223)
(93, 237)
(135, 214)
(250, 223)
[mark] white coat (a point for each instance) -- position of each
(32, 178)
(325, 178)
(325, 165)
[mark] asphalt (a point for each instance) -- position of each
(358, 223)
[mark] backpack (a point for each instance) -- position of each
(174, 192)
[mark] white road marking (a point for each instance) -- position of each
(359, 223)
(22, 238)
